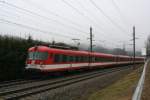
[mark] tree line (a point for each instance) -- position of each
(13, 54)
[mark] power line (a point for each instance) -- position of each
(78, 11)
(55, 14)
(82, 14)
(88, 11)
(68, 5)
(18, 17)
(7, 12)
(33, 13)
(44, 32)
(73, 7)
(113, 22)
(26, 11)
(32, 28)
(119, 11)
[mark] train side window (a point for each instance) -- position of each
(64, 58)
(70, 58)
(73, 58)
(82, 59)
(103, 59)
(79, 59)
(93, 59)
(85, 59)
(58, 58)
(99, 59)
(96, 59)
(76, 58)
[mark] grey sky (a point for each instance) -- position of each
(61, 20)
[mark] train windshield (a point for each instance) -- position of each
(38, 55)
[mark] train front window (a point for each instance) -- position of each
(38, 55)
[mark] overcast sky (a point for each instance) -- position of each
(62, 20)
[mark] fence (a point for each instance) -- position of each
(139, 88)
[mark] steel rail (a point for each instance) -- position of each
(41, 87)
(16, 83)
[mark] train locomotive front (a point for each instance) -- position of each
(38, 58)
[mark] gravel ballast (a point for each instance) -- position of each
(80, 90)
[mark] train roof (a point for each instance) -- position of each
(54, 50)
(45, 48)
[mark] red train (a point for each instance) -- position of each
(48, 59)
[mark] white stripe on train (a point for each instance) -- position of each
(63, 66)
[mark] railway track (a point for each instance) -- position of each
(25, 89)
(11, 83)
(22, 81)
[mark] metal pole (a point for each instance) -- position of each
(91, 49)
(90, 58)
(134, 45)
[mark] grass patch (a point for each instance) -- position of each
(120, 90)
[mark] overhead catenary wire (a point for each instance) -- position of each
(73, 7)
(44, 17)
(52, 13)
(29, 19)
(55, 14)
(35, 29)
(119, 12)
(81, 5)
(82, 14)
(97, 27)
(40, 15)
(54, 20)
(104, 14)
(29, 27)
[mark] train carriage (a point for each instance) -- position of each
(46, 59)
